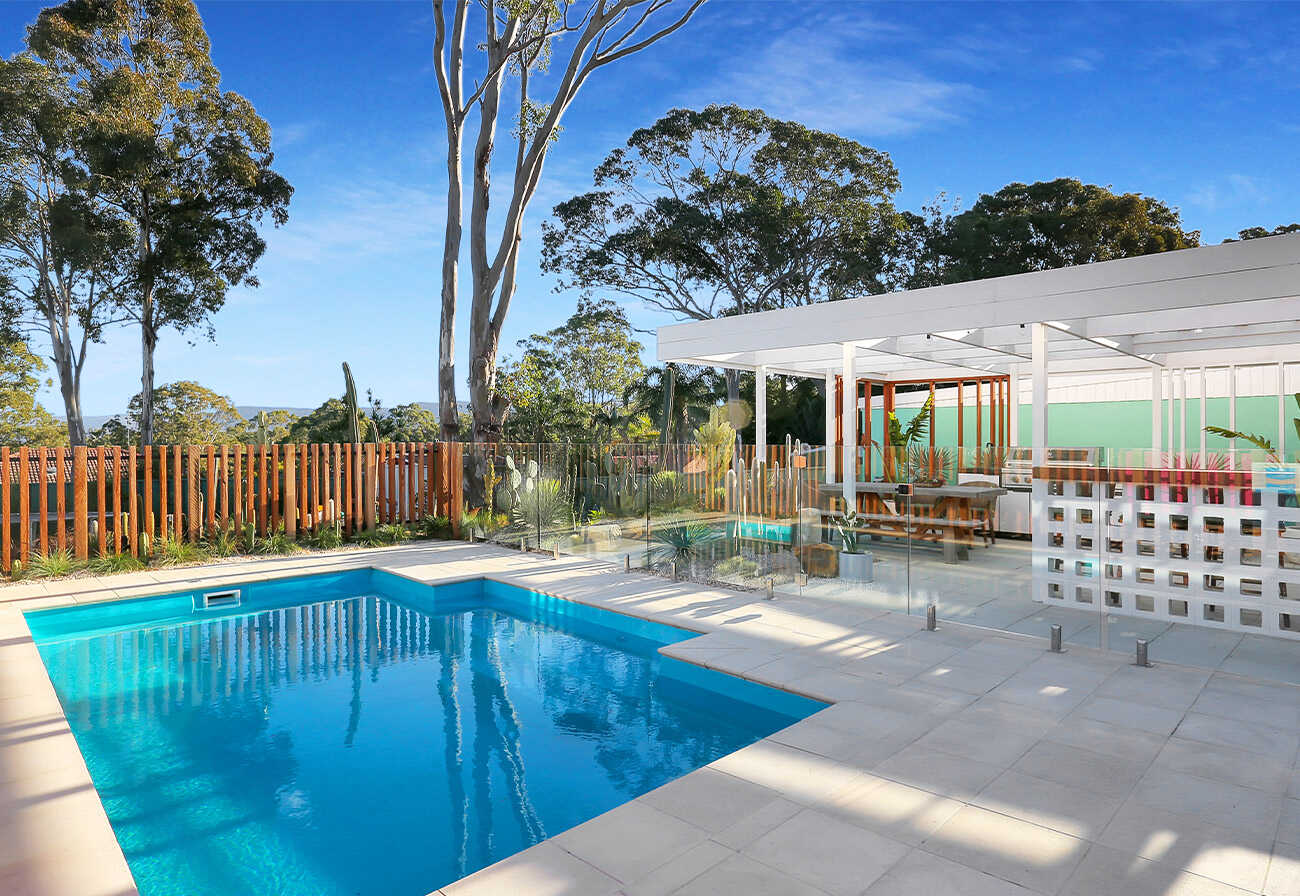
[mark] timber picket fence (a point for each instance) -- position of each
(122, 500)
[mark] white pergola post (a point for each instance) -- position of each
(1157, 400)
(1205, 387)
(1013, 399)
(850, 417)
(1281, 410)
(1232, 411)
(760, 413)
(1182, 414)
(1038, 356)
(830, 426)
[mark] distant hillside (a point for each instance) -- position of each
(249, 411)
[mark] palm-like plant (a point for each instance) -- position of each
(900, 438)
(1263, 444)
(691, 396)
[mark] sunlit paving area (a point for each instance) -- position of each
(958, 760)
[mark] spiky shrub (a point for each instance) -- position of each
(736, 567)
(55, 563)
(107, 564)
(435, 526)
(222, 541)
(384, 536)
(277, 542)
(680, 541)
(174, 552)
(548, 504)
(849, 528)
(327, 538)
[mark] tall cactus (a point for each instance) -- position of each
(354, 410)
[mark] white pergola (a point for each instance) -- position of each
(1210, 307)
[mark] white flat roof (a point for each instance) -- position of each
(1156, 309)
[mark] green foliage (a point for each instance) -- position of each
(186, 413)
(849, 528)
(727, 210)
(1053, 224)
(1254, 233)
(51, 565)
(436, 526)
(680, 541)
(384, 535)
(569, 382)
(548, 504)
(23, 421)
(327, 424)
(168, 551)
(1259, 441)
(736, 567)
(691, 390)
(717, 439)
(484, 521)
(352, 408)
(275, 542)
(326, 538)
(108, 564)
(221, 541)
(265, 428)
(185, 164)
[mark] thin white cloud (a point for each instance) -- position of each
(835, 74)
(1233, 189)
(379, 219)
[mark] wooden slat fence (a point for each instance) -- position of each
(108, 500)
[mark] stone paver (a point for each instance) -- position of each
(963, 761)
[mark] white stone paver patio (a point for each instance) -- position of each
(962, 761)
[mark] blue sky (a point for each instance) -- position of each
(1196, 104)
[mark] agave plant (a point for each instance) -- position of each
(849, 528)
(54, 563)
(547, 504)
(680, 541)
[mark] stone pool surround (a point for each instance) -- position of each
(962, 761)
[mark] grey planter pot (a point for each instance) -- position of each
(856, 567)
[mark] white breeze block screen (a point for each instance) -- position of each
(1217, 556)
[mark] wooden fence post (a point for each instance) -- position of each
(80, 527)
(455, 477)
(290, 489)
(369, 483)
(6, 519)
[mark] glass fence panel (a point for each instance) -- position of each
(1198, 556)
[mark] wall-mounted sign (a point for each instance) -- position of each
(1284, 477)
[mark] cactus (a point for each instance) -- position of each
(350, 400)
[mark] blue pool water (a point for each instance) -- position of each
(359, 733)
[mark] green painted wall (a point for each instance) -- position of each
(1116, 424)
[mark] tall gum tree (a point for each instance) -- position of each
(61, 250)
(520, 39)
(726, 210)
(186, 163)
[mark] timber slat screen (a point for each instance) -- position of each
(111, 500)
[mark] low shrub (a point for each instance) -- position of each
(107, 564)
(55, 563)
(736, 567)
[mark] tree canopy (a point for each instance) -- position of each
(185, 413)
(727, 210)
(62, 251)
(23, 421)
(1051, 224)
(569, 382)
(187, 164)
(1254, 233)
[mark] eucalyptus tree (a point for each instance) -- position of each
(562, 43)
(186, 163)
(1053, 224)
(725, 211)
(61, 251)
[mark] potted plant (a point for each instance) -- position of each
(855, 561)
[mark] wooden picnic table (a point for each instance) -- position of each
(948, 515)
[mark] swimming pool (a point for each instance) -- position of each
(360, 733)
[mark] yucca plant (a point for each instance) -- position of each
(52, 564)
(680, 541)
